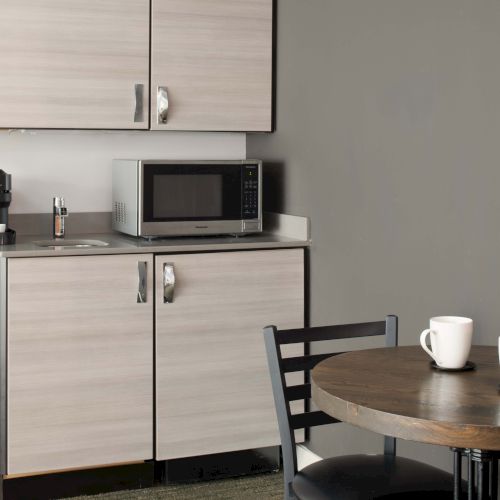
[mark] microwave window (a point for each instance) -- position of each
(187, 196)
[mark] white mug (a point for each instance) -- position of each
(451, 339)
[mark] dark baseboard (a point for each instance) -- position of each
(220, 465)
(82, 482)
(142, 475)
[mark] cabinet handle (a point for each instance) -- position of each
(143, 282)
(162, 102)
(139, 103)
(168, 283)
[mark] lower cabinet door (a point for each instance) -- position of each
(80, 362)
(213, 391)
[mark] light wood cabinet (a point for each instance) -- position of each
(84, 363)
(213, 391)
(85, 64)
(79, 362)
(214, 60)
(74, 64)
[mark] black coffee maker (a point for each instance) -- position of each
(8, 236)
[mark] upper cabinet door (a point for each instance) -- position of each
(211, 65)
(74, 64)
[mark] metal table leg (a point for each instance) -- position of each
(482, 480)
(487, 474)
(457, 473)
(482, 468)
(471, 470)
(494, 478)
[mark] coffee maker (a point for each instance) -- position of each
(7, 235)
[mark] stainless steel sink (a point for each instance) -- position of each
(70, 243)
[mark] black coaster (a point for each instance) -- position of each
(468, 366)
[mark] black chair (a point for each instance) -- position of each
(345, 477)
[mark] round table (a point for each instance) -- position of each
(395, 392)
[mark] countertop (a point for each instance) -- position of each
(122, 244)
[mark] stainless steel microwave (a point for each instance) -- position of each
(154, 198)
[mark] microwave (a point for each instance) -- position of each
(155, 198)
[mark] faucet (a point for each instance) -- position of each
(59, 213)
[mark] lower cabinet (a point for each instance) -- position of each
(80, 362)
(213, 391)
(83, 370)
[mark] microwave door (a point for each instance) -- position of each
(187, 197)
(192, 199)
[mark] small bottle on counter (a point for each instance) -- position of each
(59, 212)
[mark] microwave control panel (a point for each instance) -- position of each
(250, 191)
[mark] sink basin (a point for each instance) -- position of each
(70, 243)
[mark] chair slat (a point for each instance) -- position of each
(301, 363)
(334, 332)
(296, 392)
(311, 419)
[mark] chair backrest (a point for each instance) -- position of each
(283, 394)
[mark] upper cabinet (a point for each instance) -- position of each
(211, 65)
(74, 64)
(87, 64)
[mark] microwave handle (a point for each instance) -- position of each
(168, 283)
(162, 105)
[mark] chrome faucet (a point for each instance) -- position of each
(59, 213)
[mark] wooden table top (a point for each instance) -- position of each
(394, 391)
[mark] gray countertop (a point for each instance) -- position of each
(120, 244)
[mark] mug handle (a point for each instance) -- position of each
(423, 337)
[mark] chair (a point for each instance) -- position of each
(344, 477)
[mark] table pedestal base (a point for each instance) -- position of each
(482, 467)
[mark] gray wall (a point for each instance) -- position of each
(388, 137)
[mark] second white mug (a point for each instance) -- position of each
(451, 340)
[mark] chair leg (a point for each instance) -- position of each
(289, 493)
